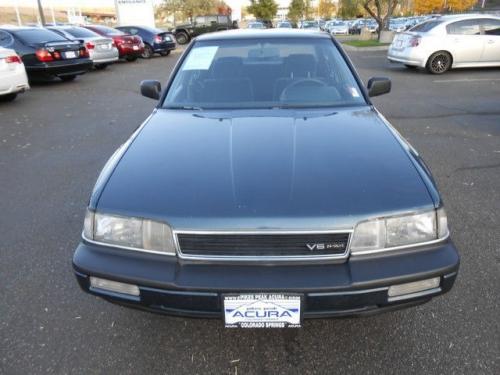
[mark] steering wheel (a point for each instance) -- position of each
(301, 83)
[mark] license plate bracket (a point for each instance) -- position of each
(70, 55)
(262, 310)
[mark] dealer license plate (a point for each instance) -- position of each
(262, 310)
(70, 55)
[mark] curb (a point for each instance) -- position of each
(375, 48)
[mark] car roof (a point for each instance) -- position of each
(263, 34)
(17, 28)
(455, 17)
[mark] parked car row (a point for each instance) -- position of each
(66, 51)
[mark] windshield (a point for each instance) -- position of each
(256, 25)
(39, 36)
(265, 73)
(310, 25)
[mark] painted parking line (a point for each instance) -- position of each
(466, 80)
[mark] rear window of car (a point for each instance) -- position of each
(264, 73)
(80, 32)
(38, 36)
(108, 30)
(426, 26)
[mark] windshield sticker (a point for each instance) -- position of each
(200, 58)
(354, 92)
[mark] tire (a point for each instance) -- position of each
(68, 78)
(101, 66)
(148, 52)
(182, 37)
(165, 53)
(131, 58)
(439, 62)
(8, 97)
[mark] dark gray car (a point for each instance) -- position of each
(265, 188)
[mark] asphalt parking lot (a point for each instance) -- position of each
(55, 139)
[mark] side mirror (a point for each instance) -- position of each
(378, 86)
(151, 89)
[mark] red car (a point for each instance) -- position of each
(129, 47)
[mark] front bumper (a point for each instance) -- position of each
(356, 287)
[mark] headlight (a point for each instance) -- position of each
(130, 232)
(389, 232)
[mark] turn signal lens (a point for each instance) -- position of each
(90, 45)
(114, 286)
(414, 287)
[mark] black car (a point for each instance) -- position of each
(155, 40)
(266, 188)
(202, 25)
(45, 53)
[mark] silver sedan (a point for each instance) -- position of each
(102, 50)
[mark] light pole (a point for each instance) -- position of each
(40, 11)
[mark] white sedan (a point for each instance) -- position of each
(339, 27)
(13, 79)
(447, 42)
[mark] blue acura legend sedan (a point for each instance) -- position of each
(265, 188)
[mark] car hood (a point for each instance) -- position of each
(279, 169)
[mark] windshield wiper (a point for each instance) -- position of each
(184, 107)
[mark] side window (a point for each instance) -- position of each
(490, 26)
(200, 20)
(6, 39)
(211, 19)
(466, 27)
(223, 19)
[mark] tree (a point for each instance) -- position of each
(296, 10)
(348, 8)
(191, 8)
(263, 9)
(381, 11)
(308, 10)
(460, 5)
(326, 9)
(427, 6)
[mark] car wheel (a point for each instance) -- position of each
(68, 78)
(182, 37)
(439, 62)
(148, 52)
(165, 53)
(8, 97)
(101, 66)
(131, 58)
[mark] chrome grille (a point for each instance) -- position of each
(263, 244)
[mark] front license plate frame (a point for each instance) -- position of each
(263, 310)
